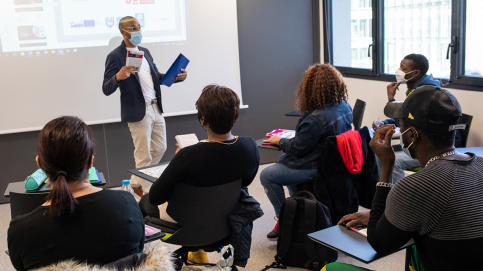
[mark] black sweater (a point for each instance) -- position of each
(106, 226)
(208, 164)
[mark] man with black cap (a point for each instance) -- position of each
(440, 206)
(412, 72)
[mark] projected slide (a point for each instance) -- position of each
(53, 55)
(29, 25)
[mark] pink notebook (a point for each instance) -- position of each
(152, 232)
(282, 132)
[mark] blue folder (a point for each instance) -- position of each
(349, 242)
(170, 77)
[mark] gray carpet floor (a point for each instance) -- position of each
(262, 251)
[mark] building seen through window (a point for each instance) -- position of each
(447, 32)
(474, 39)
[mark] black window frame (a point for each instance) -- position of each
(456, 47)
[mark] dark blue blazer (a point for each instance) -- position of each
(133, 106)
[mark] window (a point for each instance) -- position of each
(421, 27)
(359, 14)
(474, 40)
(384, 31)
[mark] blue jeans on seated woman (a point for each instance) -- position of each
(276, 176)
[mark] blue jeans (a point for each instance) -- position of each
(402, 162)
(274, 177)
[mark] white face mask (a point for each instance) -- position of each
(400, 76)
(406, 149)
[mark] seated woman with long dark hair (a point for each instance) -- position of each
(78, 221)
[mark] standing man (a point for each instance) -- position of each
(141, 105)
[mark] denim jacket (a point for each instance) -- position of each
(305, 149)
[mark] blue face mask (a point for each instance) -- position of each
(406, 150)
(136, 38)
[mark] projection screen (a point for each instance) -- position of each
(53, 52)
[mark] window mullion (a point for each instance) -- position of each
(378, 36)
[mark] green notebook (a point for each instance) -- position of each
(93, 175)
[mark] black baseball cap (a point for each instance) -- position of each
(430, 108)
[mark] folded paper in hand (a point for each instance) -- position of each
(134, 58)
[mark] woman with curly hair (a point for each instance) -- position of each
(322, 100)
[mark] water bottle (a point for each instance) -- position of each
(127, 187)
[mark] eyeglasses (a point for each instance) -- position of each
(134, 28)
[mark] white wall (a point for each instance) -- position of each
(374, 94)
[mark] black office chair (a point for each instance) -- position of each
(202, 213)
(358, 114)
(464, 133)
(24, 203)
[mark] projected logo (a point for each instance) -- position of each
(110, 22)
(76, 24)
(89, 23)
(140, 18)
(117, 20)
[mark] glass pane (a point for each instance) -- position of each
(352, 33)
(420, 27)
(474, 39)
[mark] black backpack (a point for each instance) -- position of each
(300, 215)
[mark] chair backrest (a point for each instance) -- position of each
(464, 133)
(202, 212)
(358, 114)
(24, 203)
